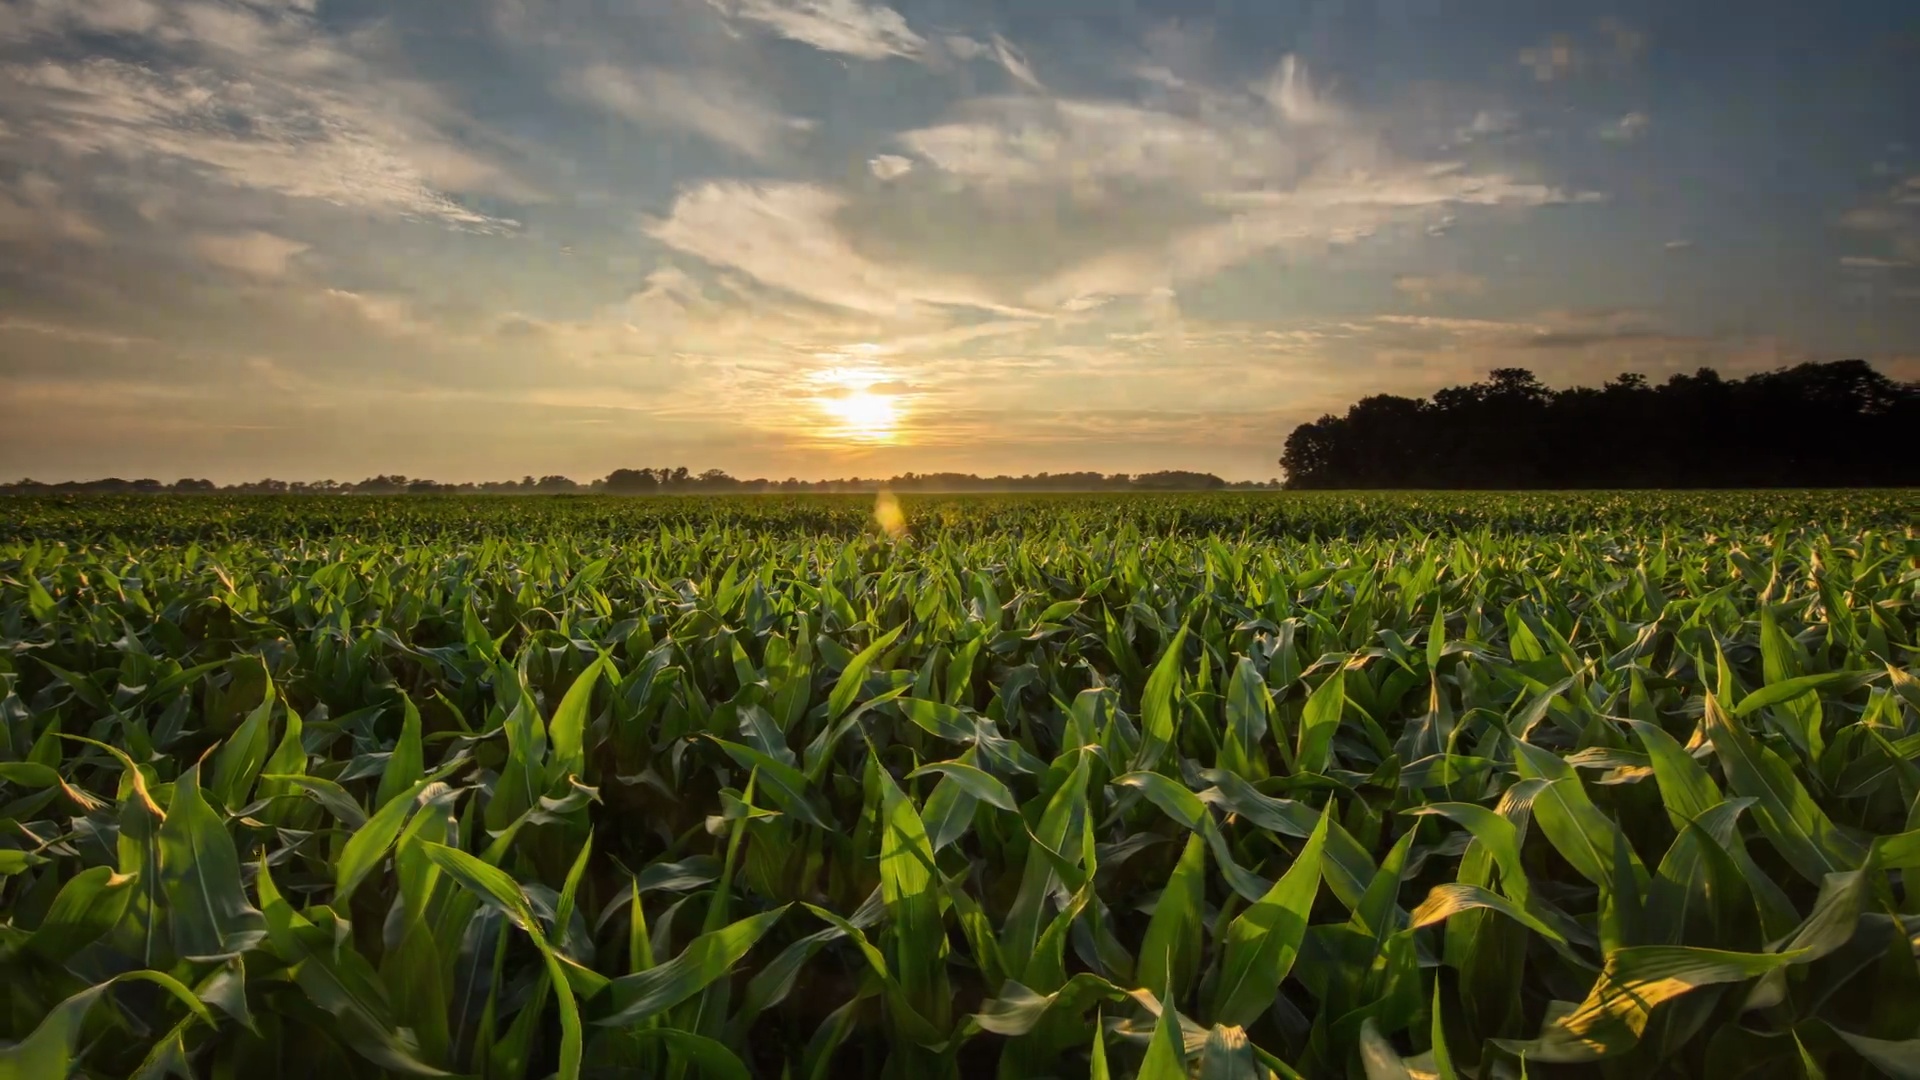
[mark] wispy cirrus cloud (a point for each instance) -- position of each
(785, 235)
(253, 253)
(37, 209)
(858, 28)
(1281, 166)
(1426, 288)
(1627, 128)
(240, 95)
(1889, 219)
(708, 103)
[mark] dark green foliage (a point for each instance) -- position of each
(1215, 785)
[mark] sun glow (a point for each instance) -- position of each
(855, 408)
(864, 416)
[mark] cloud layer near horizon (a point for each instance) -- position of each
(830, 236)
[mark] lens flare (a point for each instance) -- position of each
(887, 515)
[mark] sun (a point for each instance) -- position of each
(863, 416)
(856, 404)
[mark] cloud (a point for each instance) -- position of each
(704, 103)
(784, 235)
(1891, 219)
(889, 166)
(1293, 96)
(1579, 347)
(1284, 167)
(1678, 245)
(253, 97)
(1627, 128)
(1874, 219)
(964, 47)
(1425, 288)
(40, 211)
(855, 28)
(1555, 58)
(1004, 143)
(1015, 64)
(389, 315)
(255, 253)
(58, 332)
(1628, 43)
(1488, 124)
(1613, 47)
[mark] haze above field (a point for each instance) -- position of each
(832, 237)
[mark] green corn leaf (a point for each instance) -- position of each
(566, 732)
(50, 1050)
(407, 763)
(1262, 941)
(641, 996)
(1575, 826)
(976, 782)
(1791, 820)
(89, 905)
(339, 981)
(1898, 1058)
(713, 1058)
(1167, 1050)
(1318, 722)
(367, 847)
(1451, 899)
(200, 873)
(1156, 705)
(1170, 951)
(847, 686)
(1248, 709)
(1634, 981)
(238, 762)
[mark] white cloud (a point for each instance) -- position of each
(1627, 128)
(40, 212)
(890, 166)
(1678, 245)
(1425, 288)
(1019, 141)
(784, 235)
(255, 253)
(1293, 95)
(1873, 219)
(704, 103)
(1555, 58)
(1893, 218)
(1488, 124)
(60, 332)
(964, 47)
(851, 27)
(1285, 167)
(249, 96)
(390, 315)
(1015, 64)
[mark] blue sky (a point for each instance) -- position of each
(822, 237)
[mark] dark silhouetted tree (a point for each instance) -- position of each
(1840, 424)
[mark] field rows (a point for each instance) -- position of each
(1225, 786)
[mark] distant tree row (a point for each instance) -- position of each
(663, 481)
(1840, 424)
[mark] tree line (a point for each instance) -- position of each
(1837, 424)
(657, 481)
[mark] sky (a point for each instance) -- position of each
(476, 239)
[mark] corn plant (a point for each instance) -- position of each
(1382, 786)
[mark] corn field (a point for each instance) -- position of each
(1223, 786)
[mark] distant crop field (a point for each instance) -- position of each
(1228, 785)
